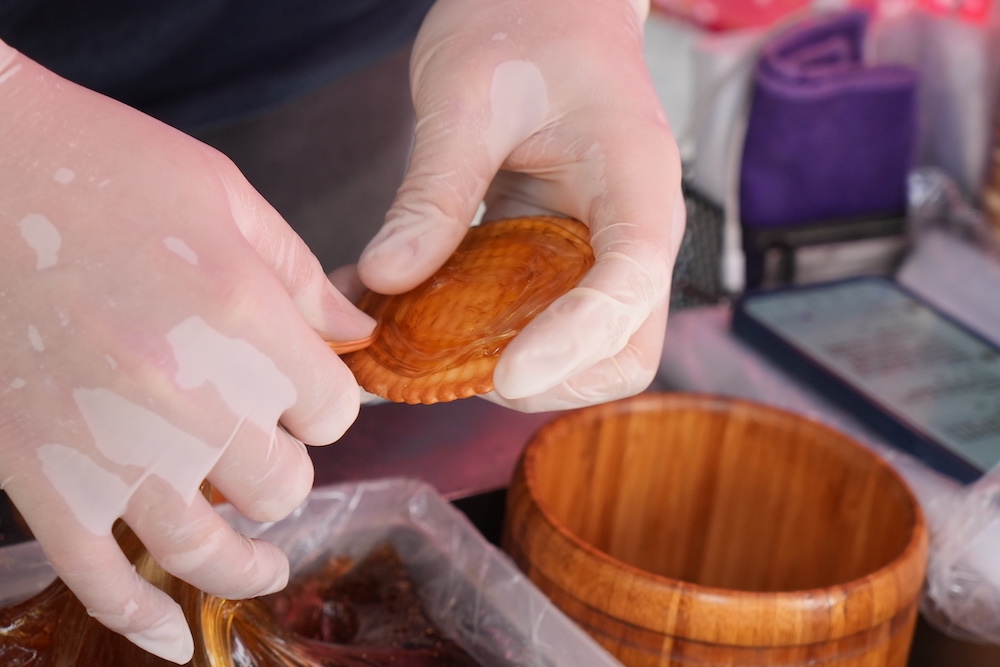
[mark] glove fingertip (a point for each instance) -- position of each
(168, 638)
(520, 375)
(406, 252)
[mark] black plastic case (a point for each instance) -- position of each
(925, 382)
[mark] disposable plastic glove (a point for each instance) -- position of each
(158, 327)
(556, 97)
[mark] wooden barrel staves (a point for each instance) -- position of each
(688, 530)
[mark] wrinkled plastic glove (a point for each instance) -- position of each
(159, 326)
(540, 107)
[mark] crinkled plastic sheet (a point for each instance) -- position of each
(955, 265)
(963, 581)
(470, 589)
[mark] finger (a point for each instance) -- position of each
(593, 321)
(78, 543)
(271, 369)
(347, 281)
(192, 542)
(267, 476)
(107, 585)
(459, 145)
(636, 227)
(328, 403)
(326, 310)
(445, 181)
(627, 373)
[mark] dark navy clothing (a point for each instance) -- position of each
(194, 63)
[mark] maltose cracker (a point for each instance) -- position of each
(442, 340)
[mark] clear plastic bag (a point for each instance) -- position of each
(469, 589)
(963, 574)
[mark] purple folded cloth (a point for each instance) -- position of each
(828, 137)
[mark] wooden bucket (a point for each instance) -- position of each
(689, 530)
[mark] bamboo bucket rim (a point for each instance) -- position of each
(904, 572)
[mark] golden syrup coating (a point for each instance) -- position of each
(303, 627)
(345, 346)
(442, 340)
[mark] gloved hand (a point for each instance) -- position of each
(556, 97)
(159, 326)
